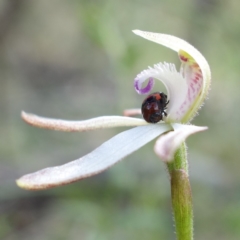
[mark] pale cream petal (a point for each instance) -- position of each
(85, 125)
(100, 159)
(167, 144)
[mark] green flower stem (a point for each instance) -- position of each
(181, 195)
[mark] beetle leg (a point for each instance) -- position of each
(165, 114)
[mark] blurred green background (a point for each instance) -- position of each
(77, 60)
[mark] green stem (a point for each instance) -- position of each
(181, 195)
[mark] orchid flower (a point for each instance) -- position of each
(186, 89)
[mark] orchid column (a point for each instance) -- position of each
(186, 90)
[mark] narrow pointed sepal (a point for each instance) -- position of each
(100, 159)
(80, 126)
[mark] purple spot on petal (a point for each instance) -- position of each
(145, 90)
(136, 81)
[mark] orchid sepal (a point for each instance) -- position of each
(166, 145)
(100, 159)
(80, 126)
(109, 153)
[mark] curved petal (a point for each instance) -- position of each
(100, 159)
(195, 70)
(173, 81)
(79, 126)
(167, 144)
(138, 82)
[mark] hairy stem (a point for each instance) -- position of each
(181, 195)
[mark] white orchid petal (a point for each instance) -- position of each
(85, 125)
(103, 157)
(195, 70)
(167, 144)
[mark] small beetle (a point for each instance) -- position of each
(154, 106)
